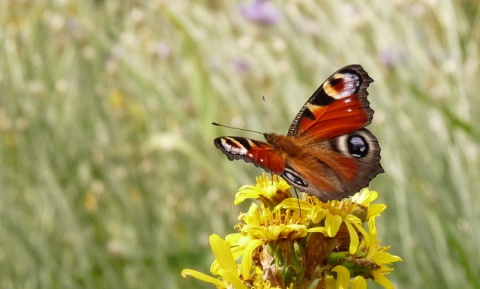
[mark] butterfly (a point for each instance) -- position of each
(327, 151)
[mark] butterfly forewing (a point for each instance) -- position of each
(337, 107)
(253, 151)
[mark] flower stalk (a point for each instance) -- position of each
(285, 242)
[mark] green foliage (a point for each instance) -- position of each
(108, 174)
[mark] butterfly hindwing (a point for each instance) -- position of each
(348, 164)
(330, 169)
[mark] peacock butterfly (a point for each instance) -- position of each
(327, 151)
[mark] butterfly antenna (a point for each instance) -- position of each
(268, 112)
(298, 201)
(237, 128)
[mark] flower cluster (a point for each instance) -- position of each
(286, 242)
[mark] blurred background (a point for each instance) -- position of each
(108, 173)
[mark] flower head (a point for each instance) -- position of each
(269, 192)
(271, 225)
(285, 242)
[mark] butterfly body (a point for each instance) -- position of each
(327, 151)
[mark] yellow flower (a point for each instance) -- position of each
(333, 213)
(365, 197)
(378, 255)
(272, 225)
(288, 243)
(265, 228)
(269, 192)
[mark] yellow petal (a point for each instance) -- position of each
(257, 232)
(385, 258)
(247, 260)
(237, 252)
(359, 227)
(203, 277)
(318, 230)
(214, 267)
(222, 253)
(372, 228)
(382, 280)
(232, 278)
(354, 242)
(233, 239)
(252, 217)
(318, 214)
(375, 210)
(246, 192)
(332, 224)
(359, 283)
(343, 277)
(365, 197)
(330, 282)
(292, 204)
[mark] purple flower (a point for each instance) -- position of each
(241, 65)
(391, 57)
(261, 12)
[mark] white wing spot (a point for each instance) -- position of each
(234, 149)
(239, 151)
(352, 82)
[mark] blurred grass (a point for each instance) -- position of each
(108, 175)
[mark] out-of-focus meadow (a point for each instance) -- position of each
(108, 174)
